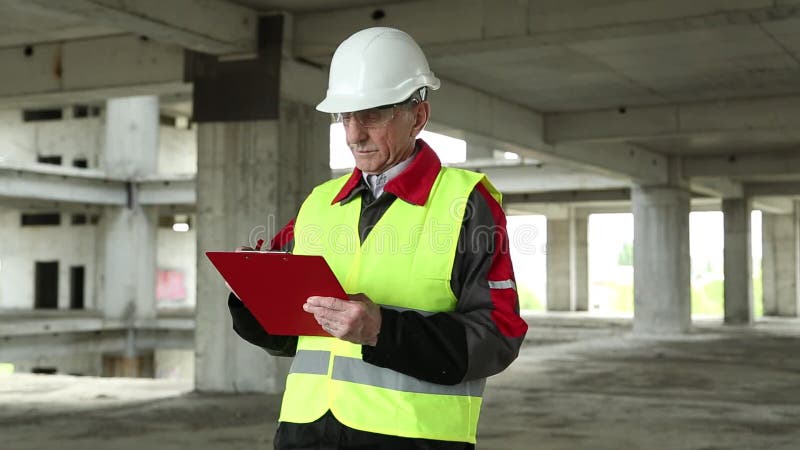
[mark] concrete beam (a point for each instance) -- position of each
(561, 210)
(458, 106)
(637, 164)
(774, 205)
(696, 205)
(167, 191)
(698, 119)
(29, 322)
(487, 25)
(717, 187)
(551, 210)
(573, 196)
(302, 82)
(725, 188)
(705, 204)
(537, 178)
(65, 334)
(67, 72)
(776, 188)
(503, 124)
(743, 164)
(603, 208)
(79, 190)
(209, 26)
(34, 206)
(62, 26)
(525, 178)
(61, 184)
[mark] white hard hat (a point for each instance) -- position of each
(375, 67)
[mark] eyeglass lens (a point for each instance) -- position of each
(368, 118)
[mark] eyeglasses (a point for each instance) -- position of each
(374, 117)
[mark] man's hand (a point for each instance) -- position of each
(241, 248)
(357, 321)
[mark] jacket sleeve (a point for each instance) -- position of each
(483, 336)
(247, 327)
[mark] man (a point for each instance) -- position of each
(423, 252)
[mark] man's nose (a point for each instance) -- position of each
(355, 131)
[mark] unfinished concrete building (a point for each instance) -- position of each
(135, 136)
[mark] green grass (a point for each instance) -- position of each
(622, 301)
(706, 299)
(528, 299)
(758, 293)
(6, 369)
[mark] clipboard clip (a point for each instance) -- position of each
(278, 252)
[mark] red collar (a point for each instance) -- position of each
(412, 185)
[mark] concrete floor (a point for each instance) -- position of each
(584, 384)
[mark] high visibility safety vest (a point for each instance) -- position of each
(404, 263)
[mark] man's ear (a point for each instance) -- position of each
(421, 114)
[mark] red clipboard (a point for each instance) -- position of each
(275, 285)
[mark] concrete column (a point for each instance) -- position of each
(131, 139)
(128, 234)
(738, 262)
(128, 241)
(662, 302)
(580, 262)
(559, 292)
(779, 264)
(127, 250)
(567, 263)
(252, 177)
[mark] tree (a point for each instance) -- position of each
(625, 257)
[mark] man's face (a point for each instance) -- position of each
(377, 149)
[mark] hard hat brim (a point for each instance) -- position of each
(337, 102)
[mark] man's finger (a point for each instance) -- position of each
(320, 312)
(327, 302)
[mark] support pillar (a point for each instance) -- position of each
(252, 177)
(580, 262)
(662, 301)
(779, 264)
(567, 263)
(738, 261)
(128, 234)
(127, 278)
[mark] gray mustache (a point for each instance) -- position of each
(362, 148)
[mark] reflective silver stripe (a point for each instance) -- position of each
(505, 284)
(357, 371)
(314, 362)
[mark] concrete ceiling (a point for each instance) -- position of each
(618, 87)
(25, 24)
(726, 62)
(309, 5)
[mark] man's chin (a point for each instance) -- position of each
(367, 166)
(367, 170)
